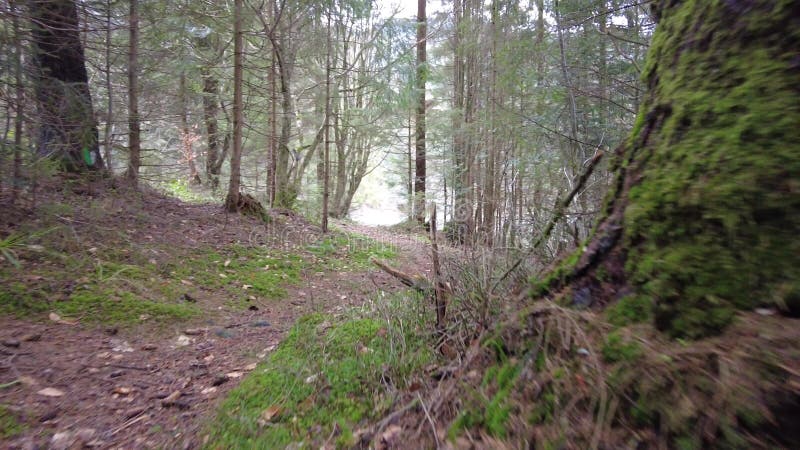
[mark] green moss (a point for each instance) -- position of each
(544, 408)
(687, 442)
(120, 308)
(712, 225)
(557, 277)
(617, 348)
(326, 373)
(243, 271)
(492, 414)
(629, 310)
(348, 250)
(464, 421)
(10, 425)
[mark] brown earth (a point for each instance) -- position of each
(157, 386)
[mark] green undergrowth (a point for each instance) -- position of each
(568, 378)
(327, 379)
(10, 425)
(98, 287)
(242, 271)
(117, 281)
(350, 251)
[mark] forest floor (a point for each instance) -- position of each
(124, 321)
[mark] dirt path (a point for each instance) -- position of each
(148, 387)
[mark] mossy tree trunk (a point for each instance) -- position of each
(705, 215)
(67, 128)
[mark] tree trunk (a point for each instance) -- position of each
(327, 155)
(214, 158)
(422, 73)
(108, 144)
(285, 195)
(67, 128)
(704, 215)
(232, 200)
(187, 137)
(134, 141)
(19, 114)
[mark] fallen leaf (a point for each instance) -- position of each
(363, 350)
(171, 398)
(233, 375)
(208, 390)
(227, 262)
(246, 286)
(250, 367)
(122, 390)
(183, 340)
(51, 392)
(194, 331)
(222, 275)
(27, 380)
(268, 414)
(391, 432)
(187, 282)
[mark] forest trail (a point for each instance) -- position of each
(157, 385)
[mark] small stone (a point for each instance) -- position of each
(223, 333)
(194, 331)
(85, 435)
(51, 392)
(149, 347)
(116, 374)
(48, 415)
(765, 311)
(222, 379)
(62, 440)
(260, 324)
(11, 343)
(118, 345)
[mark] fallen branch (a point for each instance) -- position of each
(417, 283)
(439, 291)
(561, 206)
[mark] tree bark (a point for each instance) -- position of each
(704, 214)
(67, 128)
(327, 155)
(232, 200)
(19, 115)
(134, 138)
(422, 71)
